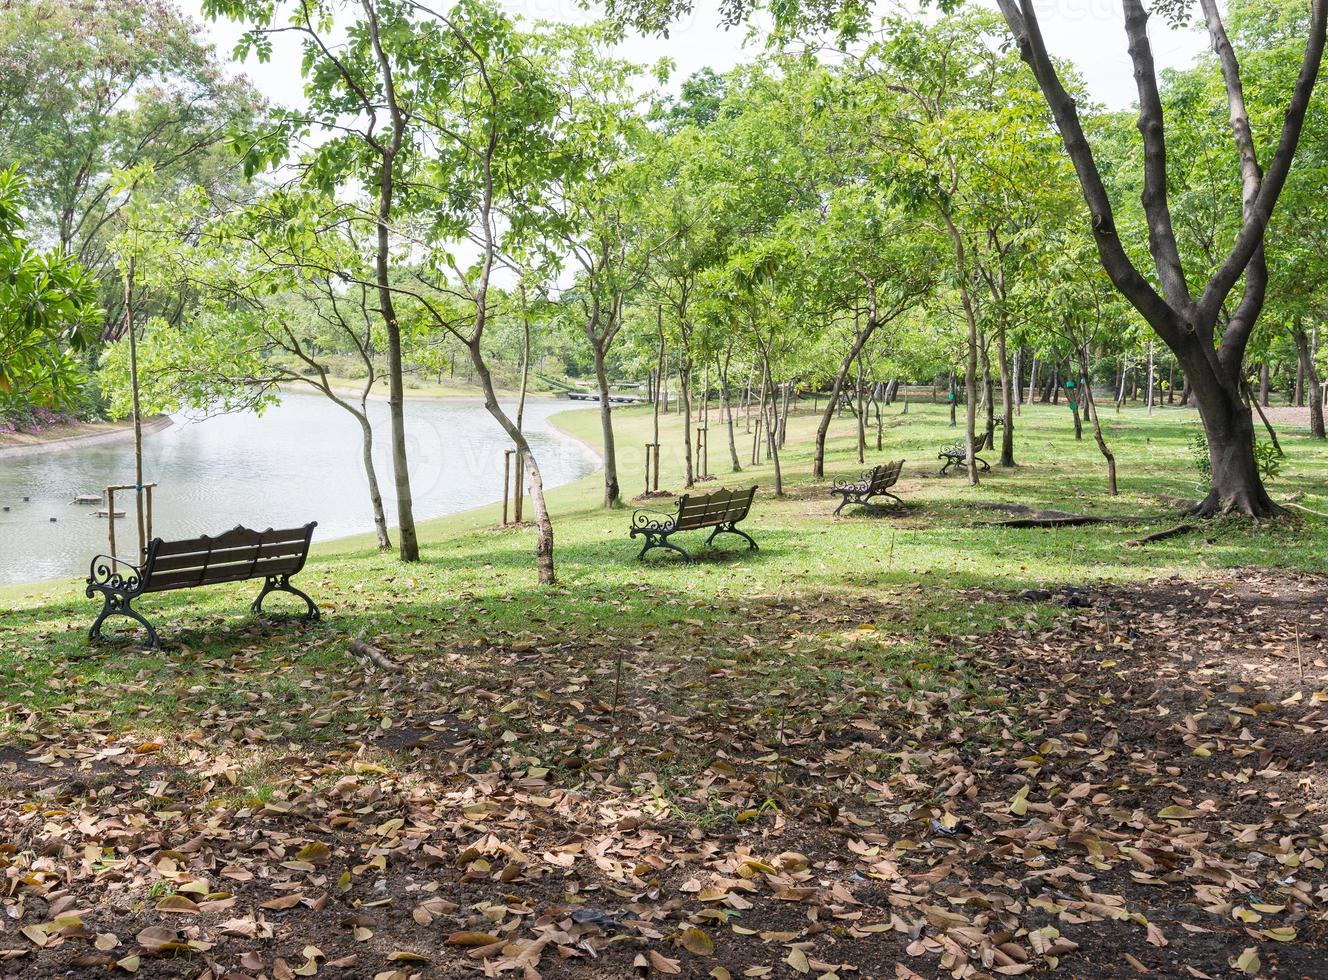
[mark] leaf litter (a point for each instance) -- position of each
(1136, 789)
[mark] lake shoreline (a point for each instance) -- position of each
(548, 428)
(107, 432)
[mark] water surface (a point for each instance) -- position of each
(299, 462)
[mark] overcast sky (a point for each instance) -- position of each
(1088, 32)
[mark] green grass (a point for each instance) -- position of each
(826, 604)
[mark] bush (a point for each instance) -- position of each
(31, 419)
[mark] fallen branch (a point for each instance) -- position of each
(1170, 532)
(375, 656)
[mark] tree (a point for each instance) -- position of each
(276, 307)
(1213, 362)
(353, 102)
(91, 87)
(594, 204)
(487, 96)
(48, 308)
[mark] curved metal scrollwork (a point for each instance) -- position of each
(104, 575)
(652, 520)
(862, 483)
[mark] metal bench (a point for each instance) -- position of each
(235, 556)
(721, 510)
(958, 456)
(875, 482)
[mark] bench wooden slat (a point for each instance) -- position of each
(235, 538)
(213, 575)
(222, 556)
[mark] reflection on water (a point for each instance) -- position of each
(299, 462)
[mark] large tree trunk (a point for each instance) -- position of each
(1311, 377)
(409, 548)
(611, 490)
(1229, 425)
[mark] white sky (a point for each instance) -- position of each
(1088, 32)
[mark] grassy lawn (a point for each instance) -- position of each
(849, 711)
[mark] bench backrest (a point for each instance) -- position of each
(707, 510)
(887, 475)
(238, 554)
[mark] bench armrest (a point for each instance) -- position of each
(646, 519)
(863, 480)
(106, 571)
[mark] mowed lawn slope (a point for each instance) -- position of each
(907, 740)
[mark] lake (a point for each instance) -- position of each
(299, 462)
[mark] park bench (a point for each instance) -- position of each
(235, 556)
(958, 456)
(875, 482)
(721, 510)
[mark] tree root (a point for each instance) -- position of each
(1170, 532)
(1241, 505)
(1074, 520)
(1316, 513)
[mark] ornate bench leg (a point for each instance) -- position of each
(731, 529)
(650, 543)
(281, 583)
(887, 493)
(842, 504)
(114, 604)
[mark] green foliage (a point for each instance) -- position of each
(48, 309)
(1200, 458)
(92, 87)
(1268, 458)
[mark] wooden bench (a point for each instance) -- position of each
(958, 456)
(875, 482)
(721, 510)
(239, 554)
